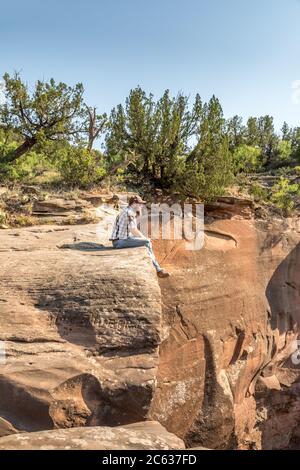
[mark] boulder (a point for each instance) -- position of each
(139, 436)
(53, 206)
(97, 199)
(80, 330)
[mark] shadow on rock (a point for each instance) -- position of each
(70, 310)
(85, 246)
(283, 293)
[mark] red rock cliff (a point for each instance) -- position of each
(91, 340)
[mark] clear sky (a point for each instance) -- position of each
(246, 52)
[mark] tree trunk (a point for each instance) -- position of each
(15, 154)
(91, 143)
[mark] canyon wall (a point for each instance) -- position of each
(231, 315)
(92, 339)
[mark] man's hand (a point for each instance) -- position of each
(137, 233)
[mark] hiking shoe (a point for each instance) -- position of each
(163, 273)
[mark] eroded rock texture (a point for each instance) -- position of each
(230, 317)
(142, 436)
(80, 329)
(92, 339)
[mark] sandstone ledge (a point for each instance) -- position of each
(91, 339)
(139, 436)
(80, 329)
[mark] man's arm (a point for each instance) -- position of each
(137, 233)
(132, 225)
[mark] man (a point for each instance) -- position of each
(125, 233)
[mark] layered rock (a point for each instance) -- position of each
(142, 436)
(231, 208)
(79, 328)
(230, 314)
(91, 339)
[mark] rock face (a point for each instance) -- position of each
(91, 339)
(79, 328)
(54, 206)
(231, 208)
(231, 315)
(142, 436)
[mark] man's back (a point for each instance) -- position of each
(123, 223)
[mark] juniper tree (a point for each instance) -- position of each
(286, 132)
(94, 125)
(209, 167)
(156, 132)
(252, 132)
(268, 140)
(236, 132)
(50, 113)
(260, 132)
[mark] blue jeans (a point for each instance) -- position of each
(133, 242)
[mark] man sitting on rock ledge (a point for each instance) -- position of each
(125, 233)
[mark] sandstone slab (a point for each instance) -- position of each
(91, 338)
(139, 436)
(80, 330)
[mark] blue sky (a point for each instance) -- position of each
(246, 52)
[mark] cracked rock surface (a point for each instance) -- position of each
(91, 339)
(80, 329)
(141, 436)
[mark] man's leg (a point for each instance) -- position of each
(134, 242)
(152, 256)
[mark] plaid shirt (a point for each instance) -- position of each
(124, 222)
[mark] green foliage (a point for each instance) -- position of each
(94, 124)
(283, 155)
(236, 132)
(283, 195)
(208, 177)
(286, 132)
(25, 168)
(163, 143)
(209, 167)
(259, 193)
(2, 217)
(79, 167)
(295, 140)
(158, 135)
(247, 159)
(50, 112)
(252, 132)
(260, 132)
(155, 132)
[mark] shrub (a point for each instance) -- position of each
(25, 168)
(259, 193)
(79, 167)
(22, 220)
(283, 195)
(247, 159)
(208, 177)
(2, 218)
(283, 154)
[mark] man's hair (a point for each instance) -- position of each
(135, 200)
